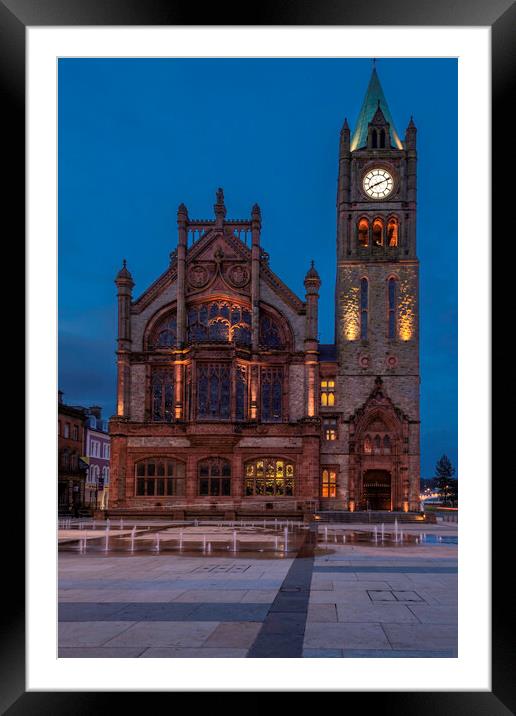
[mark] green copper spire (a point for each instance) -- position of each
(374, 97)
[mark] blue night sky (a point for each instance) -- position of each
(138, 137)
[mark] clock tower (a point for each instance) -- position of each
(377, 309)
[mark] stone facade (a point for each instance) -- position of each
(227, 401)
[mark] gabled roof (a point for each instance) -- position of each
(374, 98)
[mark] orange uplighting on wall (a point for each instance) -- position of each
(407, 309)
(351, 314)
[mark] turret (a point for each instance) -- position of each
(124, 283)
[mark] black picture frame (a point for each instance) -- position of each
(15, 17)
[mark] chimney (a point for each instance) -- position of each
(96, 411)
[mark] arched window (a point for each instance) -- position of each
(165, 333)
(329, 483)
(219, 321)
(269, 477)
(382, 138)
(392, 232)
(377, 232)
(213, 391)
(162, 389)
(387, 445)
(327, 392)
(374, 139)
(271, 395)
(241, 393)
(363, 233)
(159, 476)
(214, 477)
(368, 445)
(270, 333)
(391, 288)
(364, 308)
(377, 444)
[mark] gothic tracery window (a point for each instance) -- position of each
(219, 321)
(241, 393)
(165, 333)
(162, 395)
(213, 391)
(327, 392)
(271, 395)
(329, 483)
(270, 333)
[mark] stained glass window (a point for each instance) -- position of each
(219, 321)
(271, 395)
(162, 389)
(213, 391)
(165, 333)
(364, 308)
(159, 477)
(392, 232)
(241, 393)
(214, 477)
(363, 233)
(269, 477)
(270, 333)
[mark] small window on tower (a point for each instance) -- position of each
(392, 232)
(363, 233)
(327, 392)
(378, 232)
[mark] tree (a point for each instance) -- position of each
(444, 481)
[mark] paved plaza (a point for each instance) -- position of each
(339, 599)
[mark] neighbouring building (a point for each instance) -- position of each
(96, 456)
(71, 471)
(227, 402)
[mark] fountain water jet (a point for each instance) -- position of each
(133, 532)
(234, 541)
(286, 539)
(157, 542)
(383, 531)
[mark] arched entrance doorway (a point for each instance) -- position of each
(376, 490)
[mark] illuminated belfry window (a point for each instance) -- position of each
(392, 232)
(330, 428)
(157, 477)
(368, 445)
(392, 308)
(329, 483)
(327, 392)
(364, 308)
(162, 388)
(269, 476)
(363, 233)
(213, 391)
(215, 477)
(377, 232)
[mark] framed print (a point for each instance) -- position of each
(241, 451)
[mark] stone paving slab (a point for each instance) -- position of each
(414, 636)
(165, 634)
(100, 652)
(163, 652)
(237, 635)
(91, 633)
(384, 613)
(378, 653)
(345, 635)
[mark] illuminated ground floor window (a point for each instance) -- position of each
(269, 477)
(329, 483)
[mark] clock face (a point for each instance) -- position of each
(378, 183)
